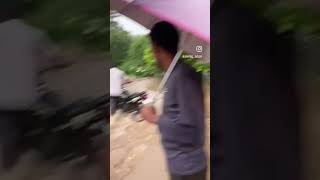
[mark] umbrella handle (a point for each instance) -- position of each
(166, 76)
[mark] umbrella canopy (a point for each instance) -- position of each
(191, 17)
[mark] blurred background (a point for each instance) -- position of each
(283, 36)
(80, 31)
(63, 132)
(78, 23)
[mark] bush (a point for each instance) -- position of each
(119, 44)
(144, 68)
(199, 65)
(137, 49)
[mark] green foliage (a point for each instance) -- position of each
(287, 15)
(81, 22)
(199, 65)
(293, 17)
(140, 61)
(151, 68)
(136, 49)
(300, 19)
(120, 41)
(148, 66)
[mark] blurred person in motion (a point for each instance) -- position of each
(117, 80)
(182, 123)
(24, 52)
(255, 107)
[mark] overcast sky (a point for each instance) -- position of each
(131, 26)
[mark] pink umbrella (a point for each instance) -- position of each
(191, 17)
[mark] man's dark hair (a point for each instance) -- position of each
(166, 36)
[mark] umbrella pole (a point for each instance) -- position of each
(166, 76)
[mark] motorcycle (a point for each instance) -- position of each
(132, 103)
(75, 132)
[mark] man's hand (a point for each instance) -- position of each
(149, 114)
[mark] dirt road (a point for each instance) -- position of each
(135, 149)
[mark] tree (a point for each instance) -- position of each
(136, 49)
(120, 41)
(134, 63)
